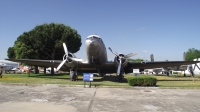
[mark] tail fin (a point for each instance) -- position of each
(184, 56)
(152, 58)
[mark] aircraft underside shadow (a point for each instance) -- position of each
(112, 78)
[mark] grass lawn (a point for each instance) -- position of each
(163, 81)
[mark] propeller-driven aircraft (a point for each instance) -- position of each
(98, 61)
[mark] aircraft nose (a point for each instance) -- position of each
(92, 43)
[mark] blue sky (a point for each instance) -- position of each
(165, 28)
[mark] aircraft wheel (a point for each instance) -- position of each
(73, 75)
(120, 78)
(167, 74)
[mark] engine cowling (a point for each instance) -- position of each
(124, 61)
(68, 59)
(120, 60)
(70, 62)
(70, 55)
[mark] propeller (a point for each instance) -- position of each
(130, 55)
(119, 67)
(65, 48)
(196, 65)
(61, 64)
(120, 58)
(66, 59)
(115, 53)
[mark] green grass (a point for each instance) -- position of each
(178, 81)
(163, 81)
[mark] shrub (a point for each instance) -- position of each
(175, 72)
(142, 81)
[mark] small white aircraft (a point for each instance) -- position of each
(6, 67)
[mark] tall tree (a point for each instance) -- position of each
(135, 60)
(10, 52)
(23, 48)
(191, 54)
(45, 42)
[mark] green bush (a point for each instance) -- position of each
(175, 72)
(142, 81)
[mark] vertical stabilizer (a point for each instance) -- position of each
(152, 58)
(184, 56)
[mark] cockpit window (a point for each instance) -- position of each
(94, 36)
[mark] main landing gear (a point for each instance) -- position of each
(120, 76)
(73, 75)
(167, 74)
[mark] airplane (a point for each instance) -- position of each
(6, 68)
(97, 61)
(167, 69)
(192, 70)
(10, 69)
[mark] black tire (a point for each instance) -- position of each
(73, 76)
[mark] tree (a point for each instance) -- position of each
(191, 54)
(23, 48)
(45, 42)
(49, 38)
(135, 60)
(10, 52)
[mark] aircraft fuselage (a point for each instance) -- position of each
(95, 50)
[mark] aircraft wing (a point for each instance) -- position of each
(108, 67)
(158, 64)
(43, 63)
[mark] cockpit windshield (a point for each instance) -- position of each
(93, 36)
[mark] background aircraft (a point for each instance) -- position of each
(190, 69)
(7, 68)
(97, 61)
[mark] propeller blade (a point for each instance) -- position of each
(130, 55)
(119, 67)
(61, 64)
(65, 48)
(194, 66)
(115, 53)
(75, 59)
(197, 66)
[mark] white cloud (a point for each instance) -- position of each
(145, 51)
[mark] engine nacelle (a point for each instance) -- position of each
(71, 63)
(124, 61)
(71, 55)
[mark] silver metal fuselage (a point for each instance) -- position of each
(95, 50)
